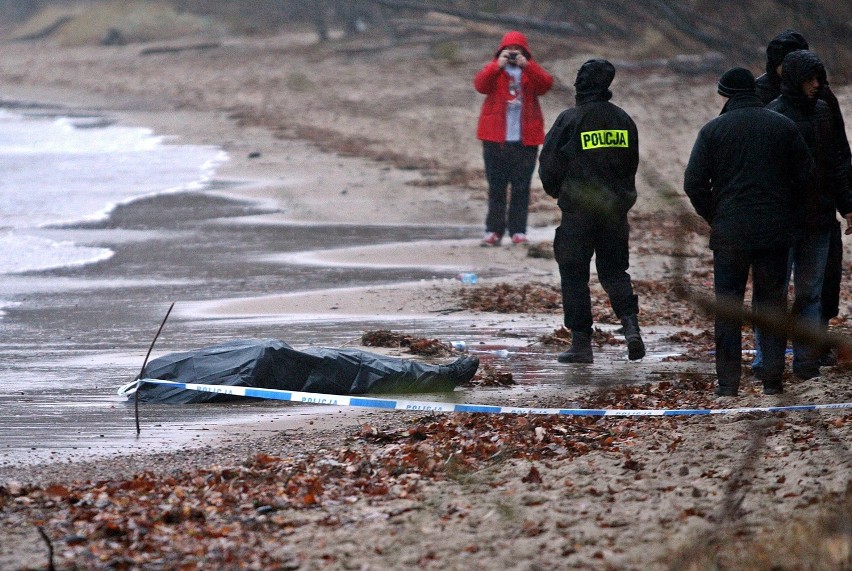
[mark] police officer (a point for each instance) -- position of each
(588, 162)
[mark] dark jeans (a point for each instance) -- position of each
(508, 164)
(807, 265)
(580, 236)
(833, 275)
(769, 274)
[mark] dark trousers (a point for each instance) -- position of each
(579, 236)
(508, 164)
(833, 275)
(769, 274)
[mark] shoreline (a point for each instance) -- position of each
(254, 179)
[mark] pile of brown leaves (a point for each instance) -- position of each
(415, 345)
(559, 337)
(509, 298)
(488, 376)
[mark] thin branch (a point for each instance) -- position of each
(142, 371)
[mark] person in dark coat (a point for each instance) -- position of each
(828, 191)
(768, 85)
(768, 89)
(743, 175)
(588, 162)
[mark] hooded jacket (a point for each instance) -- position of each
(769, 84)
(493, 82)
(591, 153)
(829, 188)
(745, 172)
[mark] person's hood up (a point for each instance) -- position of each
(514, 38)
(593, 79)
(778, 48)
(798, 67)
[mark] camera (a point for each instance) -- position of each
(512, 57)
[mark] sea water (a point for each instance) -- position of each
(55, 171)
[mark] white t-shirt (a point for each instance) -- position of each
(513, 105)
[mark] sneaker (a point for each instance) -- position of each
(520, 238)
(492, 239)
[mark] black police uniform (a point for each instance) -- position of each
(588, 162)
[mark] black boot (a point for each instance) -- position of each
(580, 351)
(635, 346)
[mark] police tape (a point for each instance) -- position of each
(430, 406)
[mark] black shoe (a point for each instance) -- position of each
(635, 349)
(575, 357)
(462, 369)
(726, 392)
(635, 346)
(773, 389)
(580, 351)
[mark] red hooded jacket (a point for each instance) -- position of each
(493, 82)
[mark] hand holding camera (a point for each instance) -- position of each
(513, 57)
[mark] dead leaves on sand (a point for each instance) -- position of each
(659, 302)
(416, 345)
(242, 515)
(509, 298)
(489, 376)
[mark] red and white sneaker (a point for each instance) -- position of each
(492, 239)
(520, 238)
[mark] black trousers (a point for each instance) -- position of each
(833, 275)
(508, 164)
(730, 275)
(580, 236)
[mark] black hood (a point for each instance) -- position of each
(594, 79)
(798, 67)
(778, 48)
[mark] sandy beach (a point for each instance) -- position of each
(373, 191)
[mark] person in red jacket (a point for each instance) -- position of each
(511, 128)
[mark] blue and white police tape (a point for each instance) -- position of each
(430, 406)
